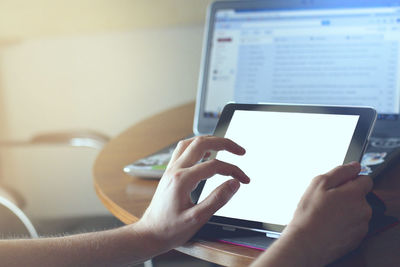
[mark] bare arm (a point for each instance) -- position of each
(331, 220)
(128, 244)
(170, 220)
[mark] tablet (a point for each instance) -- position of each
(286, 147)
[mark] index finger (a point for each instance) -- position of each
(208, 169)
(362, 184)
(180, 148)
(200, 145)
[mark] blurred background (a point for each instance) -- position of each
(85, 65)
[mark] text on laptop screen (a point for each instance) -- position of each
(284, 151)
(323, 56)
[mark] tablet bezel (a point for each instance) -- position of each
(359, 141)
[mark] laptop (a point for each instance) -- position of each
(325, 52)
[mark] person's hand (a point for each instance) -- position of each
(331, 219)
(172, 218)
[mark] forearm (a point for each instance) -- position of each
(121, 246)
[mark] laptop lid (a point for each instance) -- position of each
(326, 52)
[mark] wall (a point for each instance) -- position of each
(104, 78)
(104, 81)
(26, 19)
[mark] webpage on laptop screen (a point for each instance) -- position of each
(330, 57)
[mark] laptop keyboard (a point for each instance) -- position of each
(385, 143)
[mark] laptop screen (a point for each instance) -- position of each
(330, 56)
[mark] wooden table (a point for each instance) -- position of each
(127, 197)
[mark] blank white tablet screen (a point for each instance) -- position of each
(284, 151)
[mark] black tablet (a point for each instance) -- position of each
(286, 147)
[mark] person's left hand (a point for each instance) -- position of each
(172, 218)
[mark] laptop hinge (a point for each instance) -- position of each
(272, 235)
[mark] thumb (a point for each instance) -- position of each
(216, 200)
(342, 174)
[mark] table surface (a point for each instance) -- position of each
(127, 197)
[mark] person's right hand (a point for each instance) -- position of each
(172, 218)
(331, 220)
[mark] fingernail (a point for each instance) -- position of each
(354, 164)
(234, 185)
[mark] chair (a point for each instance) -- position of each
(13, 220)
(89, 139)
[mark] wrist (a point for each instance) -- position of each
(291, 249)
(298, 245)
(150, 242)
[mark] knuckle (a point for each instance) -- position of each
(177, 175)
(214, 164)
(316, 180)
(320, 180)
(235, 168)
(221, 197)
(195, 217)
(224, 168)
(200, 139)
(181, 144)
